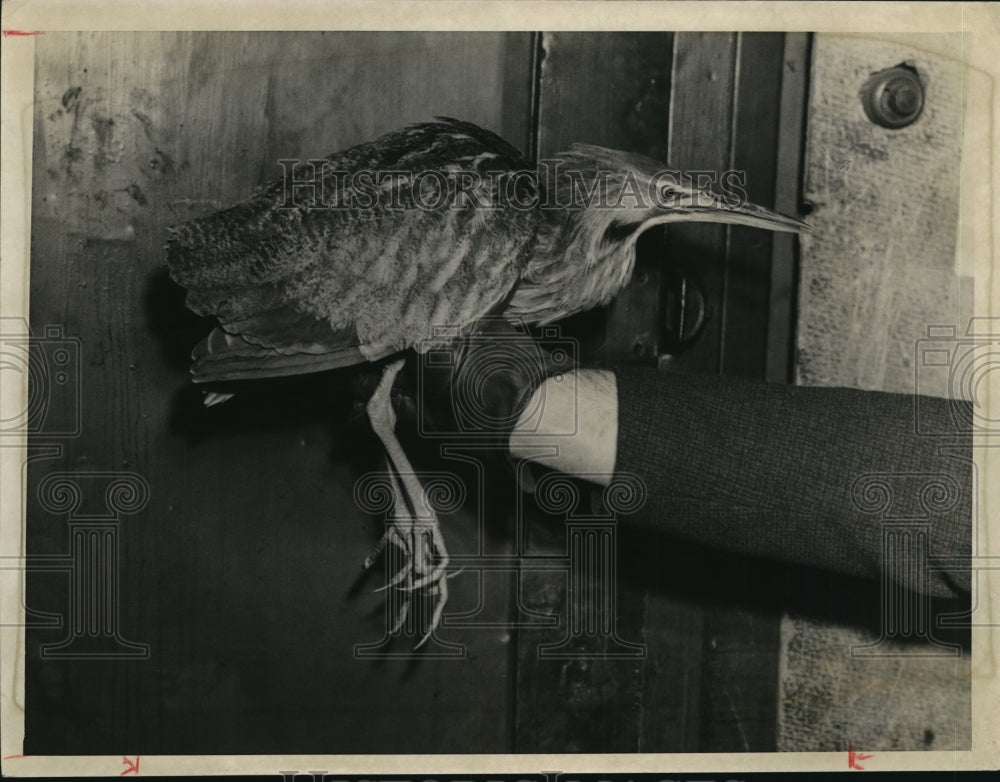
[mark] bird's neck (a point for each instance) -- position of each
(580, 262)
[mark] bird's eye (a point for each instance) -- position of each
(669, 194)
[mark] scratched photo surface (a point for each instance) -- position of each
(195, 582)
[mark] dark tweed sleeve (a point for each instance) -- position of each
(773, 470)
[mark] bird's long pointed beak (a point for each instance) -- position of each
(745, 214)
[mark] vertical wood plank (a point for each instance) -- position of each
(755, 131)
(612, 90)
(516, 120)
(787, 199)
(700, 138)
(742, 637)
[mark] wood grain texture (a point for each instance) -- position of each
(788, 200)
(757, 110)
(242, 573)
(709, 680)
(606, 705)
(741, 654)
(700, 139)
(724, 117)
(879, 269)
(614, 91)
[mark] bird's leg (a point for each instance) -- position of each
(414, 549)
(392, 535)
(418, 519)
(400, 518)
(402, 522)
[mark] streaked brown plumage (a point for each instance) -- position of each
(311, 286)
(304, 288)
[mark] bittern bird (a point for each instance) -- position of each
(441, 223)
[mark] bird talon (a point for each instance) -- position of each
(401, 575)
(442, 587)
(401, 617)
(436, 577)
(376, 550)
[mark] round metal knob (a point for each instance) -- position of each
(893, 98)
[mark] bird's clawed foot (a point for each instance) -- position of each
(425, 566)
(414, 528)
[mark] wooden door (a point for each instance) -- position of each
(710, 623)
(239, 573)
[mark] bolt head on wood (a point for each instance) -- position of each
(893, 98)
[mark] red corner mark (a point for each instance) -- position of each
(11, 757)
(130, 767)
(853, 758)
(9, 33)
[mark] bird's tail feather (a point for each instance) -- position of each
(222, 357)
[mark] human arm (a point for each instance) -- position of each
(762, 469)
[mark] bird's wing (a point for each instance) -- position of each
(405, 233)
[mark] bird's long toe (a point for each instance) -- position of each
(440, 592)
(432, 556)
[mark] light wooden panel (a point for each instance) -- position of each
(879, 268)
